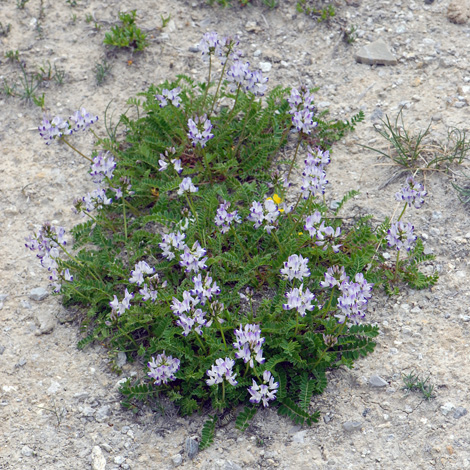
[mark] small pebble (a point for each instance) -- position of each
(377, 381)
(38, 294)
(191, 447)
(177, 460)
(26, 451)
(350, 426)
(459, 412)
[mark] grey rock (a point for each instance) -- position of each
(447, 408)
(102, 413)
(376, 115)
(229, 465)
(121, 359)
(38, 294)
(2, 299)
(21, 362)
(265, 66)
(119, 459)
(459, 412)
(334, 205)
(375, 53)
(191, 447)
(177, 460)
(54, 387)
(26, 304)
(299, 437)
(27, 451)
(2, 349)
(45, 321)
(194, 49)
(98, 462)
(350, 426)
(88, 411)
(458, 11)
(377, 381)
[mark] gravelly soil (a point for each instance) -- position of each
(59, 407)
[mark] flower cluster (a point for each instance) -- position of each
(190, 258)
(47, 242)
(241, 77)
(187, 186)
(204, 290)
(120, 307)
(267, 214)
(189, 316)
(171, 242)
(249, 344)
(163, 368)
(412, 193)
(200, 130)
(223, 47)
(224, 219)
(222, 369)
(58, 127)
(140, 269)
(401, 236)
(299, 300)
(169, 95)
(322, 235)
(302, 110)
(355, 295)
(264, 392)
(93, 200)
(102, 167)
(165, 160)
(314, 176)
(296, 267)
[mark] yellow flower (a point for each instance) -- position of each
(277, 199)
(301, 233)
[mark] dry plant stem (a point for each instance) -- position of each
(76, 150)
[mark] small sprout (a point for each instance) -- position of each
(20, 4)
(102, 70)
(413, 383)
(127, 35)
(5, 30)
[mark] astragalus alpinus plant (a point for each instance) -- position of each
(197, 259)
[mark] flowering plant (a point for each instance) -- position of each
(193, 261)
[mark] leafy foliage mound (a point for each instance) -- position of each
(199, 260)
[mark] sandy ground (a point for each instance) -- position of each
(59, 407)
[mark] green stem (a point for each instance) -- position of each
(200, 343)
(329, 303)
(221, 332)
(124, 216)
(277, 241)
(208, 82)
(76, 150)
(189, 200)
(80, 263)
(396, 265)
(242, 135)
(402, 212)
(240, 243)
(220, 82)
(295, 156)
(223, 391)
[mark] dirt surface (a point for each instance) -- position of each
(59, 407)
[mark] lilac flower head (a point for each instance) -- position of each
(206, 289)
(264, 392)
(269, 212)
(302, 99)
(97, 198)
(312, 223)
(169, 96)
(328, 234)
(163, 368)
(140, 269)
(248, 344)
(316, 158)
(238, 74)
(210, 44)
(401, 236)
(172, 242)
(299, 300)
(313, 180)
(354, 298)
(296, 267)
(200, 130)
(222, 369)
(256, 83)
(82, 120)
(334, 276)
(192, 259)
(55, 129)
(224, 219)
(121, 307)
(412, 193)
(103, 167)
(303, 121)
(187, 186)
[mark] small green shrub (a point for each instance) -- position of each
(126, 35)
(200, 184)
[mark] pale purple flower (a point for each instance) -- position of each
(126, 301)
(303, 121)
(296, 267)
(249, 344)
(220, 371)
(204, 290)
(191, 258)
(312, 223)
(224, 219)
(313, 181)
(401, 236)
(298, 100)
(140, 269)
(197, 320)
(264, 392)
(354, 298)
(55, 129)
(256, 83)
(177, 165)
(163, 368)
(200, 130)
(327, 234)
(169, 96)
(97, 198)
(210, 44)
(120, 307)
(237, 74)
(103, 167)
(267, 213)
(82, 120)
(187, 186)
(299, 300)
(163, 164)
(334, 276)
(148, 293)
(67, 276)
(172, 242)
(183, 306)
(412, 193)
